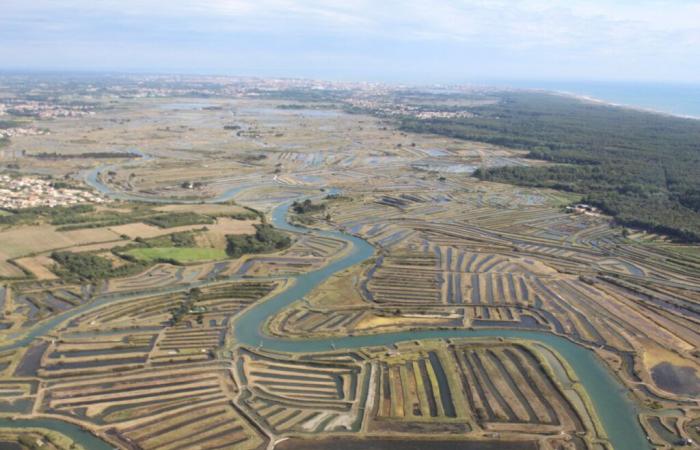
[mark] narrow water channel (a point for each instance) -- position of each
(616, 411)
(609, 397)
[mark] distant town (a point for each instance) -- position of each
(20, 131)
(31, 192)
(43, 110)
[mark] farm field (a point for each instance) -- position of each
(124, 319)
(181, 255)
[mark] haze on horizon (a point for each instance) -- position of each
(397, 41)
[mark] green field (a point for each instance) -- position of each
(178, 254)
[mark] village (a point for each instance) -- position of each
(43, 110)
(398, 109)
(32, 192)
(19, 131)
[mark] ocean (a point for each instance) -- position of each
(677, 99)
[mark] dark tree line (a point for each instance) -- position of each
(307, 206)
(91, 267)
(265, 239)
(178, 219)
(92, 155)
(55, 215)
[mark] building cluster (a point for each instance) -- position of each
(425, 115)
(30, 192)
(42, 110)
(372, 97)
(396, 109)
(19, 131)
(582, 208)
(204, 86)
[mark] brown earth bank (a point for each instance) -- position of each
(399, 444)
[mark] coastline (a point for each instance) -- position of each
(600, 101)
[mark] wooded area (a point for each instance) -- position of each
(642, 168)
(265, 239)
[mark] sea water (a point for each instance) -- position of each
(681, 99)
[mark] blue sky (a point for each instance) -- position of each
(380, 40)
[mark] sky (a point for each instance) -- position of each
(412, 41)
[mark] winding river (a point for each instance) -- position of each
(616, 411)
(609, 397)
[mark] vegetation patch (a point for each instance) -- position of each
(177, 255)
(307, 212)
(179, 219)
(181, 239)
(35, 438)
(88, 266)
(265, 239)
(56, 215)
(307, 207)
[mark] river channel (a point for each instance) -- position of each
(616, 410)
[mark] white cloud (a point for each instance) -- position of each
(534, 20)
(524, 21)
(590, 32)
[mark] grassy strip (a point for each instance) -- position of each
(576, 385)
(178, 255)
(27, 437)
(171, 220)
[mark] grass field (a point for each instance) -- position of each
(179, 254)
